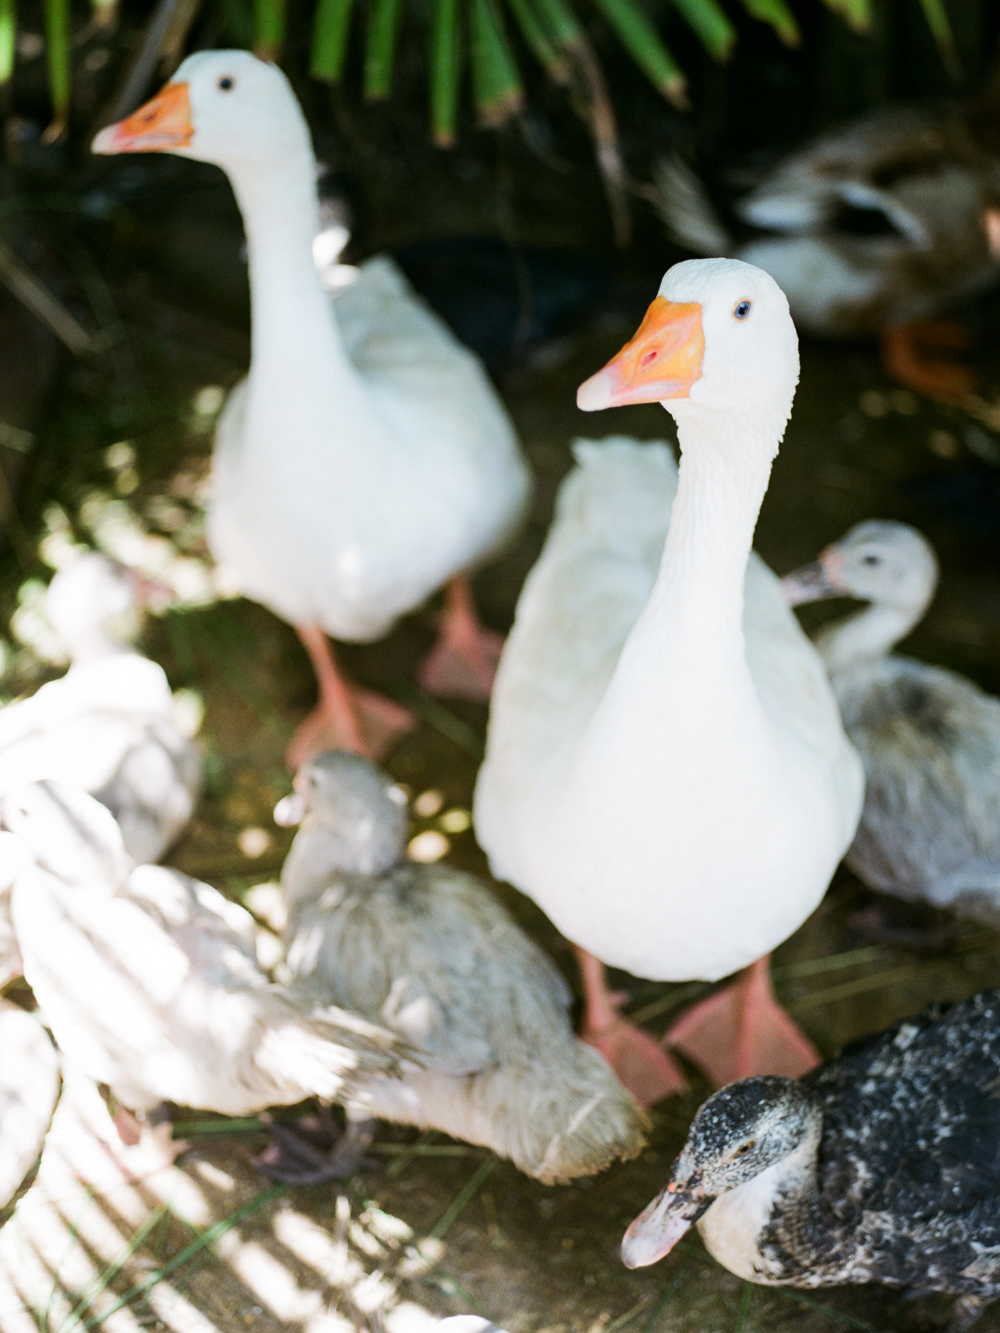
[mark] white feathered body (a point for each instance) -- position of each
(155, 990)
(345, 494)
(108, 727)
(677, 812)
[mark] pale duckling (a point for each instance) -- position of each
(881, 1166)
(29, 1089)
(427, 951)
(150, 984)
(109, 724)
(366, 461)
(929, 739)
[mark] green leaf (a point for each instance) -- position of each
(8, 38)
(712, 26)
(383, 29)
(538, 39)
(57, 53)
(445, 71)
(857, 14)
(329, 40)
(268, 28)
(640, 37)
(778, 15)
(937, 21)
(561, 22)
(496, 84)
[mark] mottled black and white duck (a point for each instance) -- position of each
(427, 951)
(881, 1166)
(928, 737)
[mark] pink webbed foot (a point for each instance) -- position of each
(638, 1060)
(370, 726)
(347, 717)
(742, 1030)
(463, 661)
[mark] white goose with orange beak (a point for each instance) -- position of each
(366, 460)
(666, 772)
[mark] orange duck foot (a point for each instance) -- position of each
(921, 356)
(742, 1030)
(370, 724)
(463, 662)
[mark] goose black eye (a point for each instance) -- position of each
(744, 1148)
(871, 560)
(226, 84)
(742, 309)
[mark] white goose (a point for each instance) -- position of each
(666, 772)
(366, 460)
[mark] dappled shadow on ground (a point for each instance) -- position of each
(441, 1228)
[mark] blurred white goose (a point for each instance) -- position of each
(666, 772)
(929, 739)
(29, 1089)
(429, 952)
(109, 725)
(366, 460)
(149, 980)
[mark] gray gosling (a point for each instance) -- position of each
(150, 984)
(929, 739)
(428, 952)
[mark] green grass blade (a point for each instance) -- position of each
(57, 54)
(105, 1279)
(205, 1240)
(779, 16)
(561, 22)
(857, 14)
(268, 28)
(640, 37)
(537, 37)
(937, 21)
(463, 1198)
(711, 25)
(383, 29)
(445, 71)
(8, 38)
(496, 84)
(329, 40)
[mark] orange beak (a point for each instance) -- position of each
(161, 124)
(662, 361)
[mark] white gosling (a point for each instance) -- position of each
(929, 739)
(109, 724)
(366, 460)
(29, 1089)
(666, 771)
(427, 951)
(150, 984)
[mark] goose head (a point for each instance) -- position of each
(224, 107)
(718, 337)
(741, 1131)
(68, 833)
(888, 564)
(358, 812)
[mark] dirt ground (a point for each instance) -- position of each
(442, 1228)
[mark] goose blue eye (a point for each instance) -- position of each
(742, 309)
(226, 83)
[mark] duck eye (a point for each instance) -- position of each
(742, 309)
(744, 1148)
(226, 83)
(871, 560)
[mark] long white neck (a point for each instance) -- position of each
(684, 665)
(298, 354)
(866, 636)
